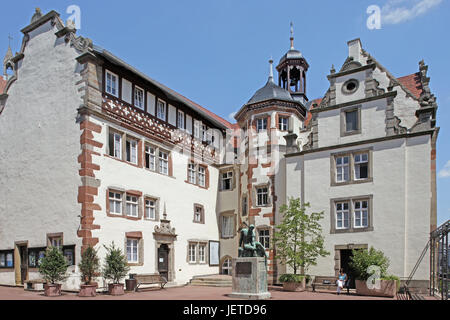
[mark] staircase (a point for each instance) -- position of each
(217, 280)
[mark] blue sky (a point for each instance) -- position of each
(216, 52)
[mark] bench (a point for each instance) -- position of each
(34, 285)
(149, 279)
(327, 283)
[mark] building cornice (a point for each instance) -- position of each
(353, 70)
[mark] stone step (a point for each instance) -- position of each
(212, 281)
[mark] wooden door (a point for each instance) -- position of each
(163, 261)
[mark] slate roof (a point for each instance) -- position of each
(291, 54)
(270, 91)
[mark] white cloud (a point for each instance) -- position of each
(394, 12)
(231, 116)
(445, 171)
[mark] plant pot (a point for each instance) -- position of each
(387, 288)
(88, 290)
(295, 286)
(115, 289)
(52, 290)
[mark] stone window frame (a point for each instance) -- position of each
(351, 154)
(157, 149)
(135, 235)
(124, 193)
(197, 243)
(229, 214)
(351, 228)
(157, 206)
(197, 167)
(202, 219)
(123, 146)
(346, 83)
(261, 118)
(56, 235)
(343, 112)
(282, 116)
(264, 228)
(255, 195)
(233, 179)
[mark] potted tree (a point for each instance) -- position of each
(53, 267)
(115, 269)
(299, 243)
(89, 268)
(370, 268)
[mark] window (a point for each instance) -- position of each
(112, 84)
(132, 206)
(163, 162)
(199, 214)
(115, 202)
(351, 121)
(150, 158)
(227, 226)
(150, 209)
(192, 173)
(283, 123)
(161, 110)
(7, 259)
(261, 124)
(342, 169)
(202, 253)
(115, 144)
(264, 238)
(180, 120)
(197, 125)
(361, 214)
(192, 250)
(244, 205)
(69, 254)
(131, 151)
(227, 267)
(350, 86)
(132, 250)
(56, 242)
(201, 176)
(227, 179)
(262, 196)
(204, 131)
(361, 166)
(342, 215)
(139, 98)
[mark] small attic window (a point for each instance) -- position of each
(350, 86)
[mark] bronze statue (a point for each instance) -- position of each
(248, 246)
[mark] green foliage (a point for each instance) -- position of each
(89, 265)
(298, 238)
(289, 277)
(116, 264)
(53, 266)
(363, 259)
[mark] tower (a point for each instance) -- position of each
(292, 70)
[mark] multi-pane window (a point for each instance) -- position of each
(115, 202)
(150, 158)
(150, 209)
(201, 176)
(192, 257)
(7, 259)
(163, 162)
(56, 242)
(351, 121)
(227, 179)
(264, 238)
(342, 169)
(198, 214)
(132, 250)
(361, 166)
(227, 227)
(262, 196)
(361, 214)
(139, 98)
(180, 119)
(197, 125)
(342, 215)
(261, 124)
(112, 84)
(227, 267)
(132, 206)
(192, 175)
(131, 151)
(115, 145)
(283, 123)
(201, 253)
(161, 110)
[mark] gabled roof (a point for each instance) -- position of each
(313, 104)
(412, 83)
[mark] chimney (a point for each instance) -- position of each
(354, 49)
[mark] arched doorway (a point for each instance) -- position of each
(226, 266)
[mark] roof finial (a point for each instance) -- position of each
(271, 69)
(292, 36)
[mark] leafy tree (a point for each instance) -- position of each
(116, 264)
(363, 259)
(298, 238)
(53, 266)
(89, 265)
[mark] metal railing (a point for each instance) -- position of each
(439, 261)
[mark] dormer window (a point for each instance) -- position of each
(112, 83)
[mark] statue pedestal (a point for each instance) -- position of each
(249, 279)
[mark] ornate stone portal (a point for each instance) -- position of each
(164, 241)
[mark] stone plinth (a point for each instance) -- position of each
(250, 279)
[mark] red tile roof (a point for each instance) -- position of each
(314, 104)
(2, 84)
(412, 83)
